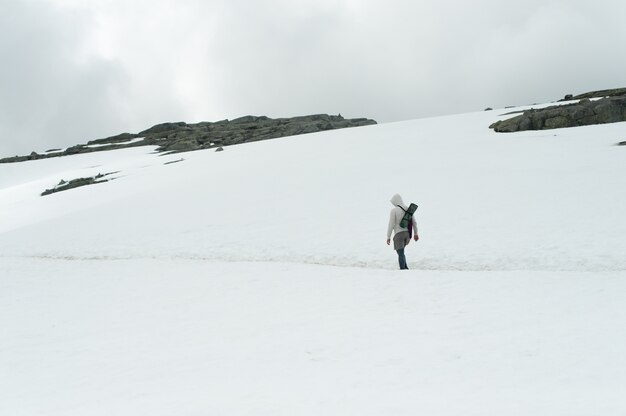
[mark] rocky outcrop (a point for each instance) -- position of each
(586, 112)
(182, 137)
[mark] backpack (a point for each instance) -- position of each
(407, 221)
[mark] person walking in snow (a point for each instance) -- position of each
(402, 235)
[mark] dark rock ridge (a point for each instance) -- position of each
(596, 94)
(610, 109)
(182, 137)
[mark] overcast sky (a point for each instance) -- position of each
(76, 70)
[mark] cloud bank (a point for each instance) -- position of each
(73, 71)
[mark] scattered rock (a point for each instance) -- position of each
(622, 143)
(184, 145)
(164, 127)
(14, 159)
(174, 161)
(76, 149)
(488, 109)
(249, 119)
(120, 138)
(219, 149)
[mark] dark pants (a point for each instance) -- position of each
(400, 240)
(402, 259)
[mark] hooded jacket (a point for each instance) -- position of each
(396, 216)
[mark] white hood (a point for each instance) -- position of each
(397, 200)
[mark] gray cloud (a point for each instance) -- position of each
(50, 92)
(79, 71)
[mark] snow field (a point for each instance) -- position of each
(193, 337)
(256, 281)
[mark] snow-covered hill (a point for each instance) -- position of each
(257, 280)
(546, 200)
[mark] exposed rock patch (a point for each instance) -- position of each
(586, 112)
(76, 183)
(182, 137)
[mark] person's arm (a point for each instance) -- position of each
(390, 227)
(415, 236)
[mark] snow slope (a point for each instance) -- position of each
(548, 200)
(257, 280)
(185, 337)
